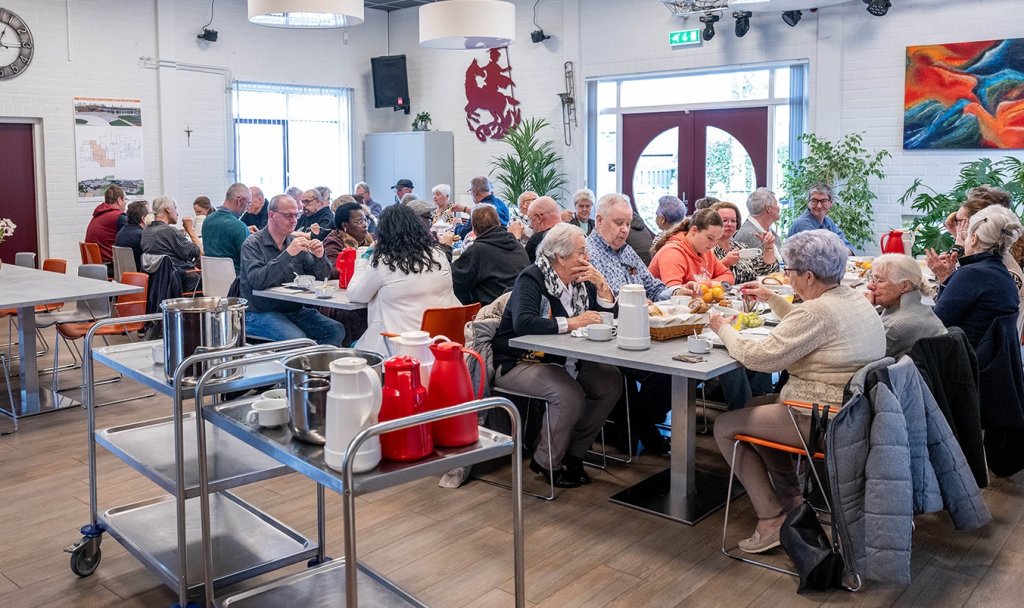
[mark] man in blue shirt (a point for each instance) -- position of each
(223, 231)
(819, 201)
(480, 189)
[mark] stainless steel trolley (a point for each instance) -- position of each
(163, 533)
(327, 583)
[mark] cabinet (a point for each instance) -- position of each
(425, 157)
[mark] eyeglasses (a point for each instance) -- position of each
(289, 216)
(819, 202)
(363, 221)
(307, 201)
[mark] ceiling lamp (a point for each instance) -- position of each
(742, 22)
(709, 20)
(467, 24)
(306, 13)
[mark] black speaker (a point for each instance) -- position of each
(390, 82)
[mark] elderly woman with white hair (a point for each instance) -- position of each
(896, 286)
(822, 343)
(560, 292)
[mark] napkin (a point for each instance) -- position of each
(677, 319)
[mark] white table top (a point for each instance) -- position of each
(658, 358)
(338, 300)
(21, 287)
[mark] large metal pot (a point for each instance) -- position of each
(198, 325)
(308, 378)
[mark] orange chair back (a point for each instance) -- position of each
(53, 265)
(139, 279)
(449, 322)
(90, 253)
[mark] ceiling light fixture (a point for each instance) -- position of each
(467, 24)
(306, 13)
(709, 20)
(792, 17)
(742, 22)
(878, 8)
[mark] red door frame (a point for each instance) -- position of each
(748, 125)
(18, 196)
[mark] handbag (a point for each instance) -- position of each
(816, 558)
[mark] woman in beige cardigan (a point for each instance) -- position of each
(822, 343)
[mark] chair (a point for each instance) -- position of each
(801, 451)
(60, 266)
(85, 310)
(25, 259)
(90, 253)
(10, 393)
(605, 457)
(218, 274)
(449, 322)
(124, 261)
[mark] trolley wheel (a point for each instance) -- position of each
(86, 557)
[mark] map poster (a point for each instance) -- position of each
(108, 146)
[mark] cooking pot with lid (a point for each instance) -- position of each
(198, 325)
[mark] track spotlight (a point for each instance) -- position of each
(709, 20)
(878, 8)
(208, 35)
(742, 23)
(792, 17)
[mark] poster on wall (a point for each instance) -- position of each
(964, 95)
(108, 146)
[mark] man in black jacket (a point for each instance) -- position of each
(317, 218)
(490, 266)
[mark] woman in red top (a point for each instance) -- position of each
(685, 252)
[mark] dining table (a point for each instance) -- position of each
(681, 492)
(306, 295)
(25, 288)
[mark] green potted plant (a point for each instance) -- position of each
(846, 166)
(532, 164)
(421, 122)
(1007, 173)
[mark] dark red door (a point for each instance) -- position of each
(18, 195)
(689, 131)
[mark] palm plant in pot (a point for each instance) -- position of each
(532, 164)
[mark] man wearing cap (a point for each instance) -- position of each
(402, 187)
(480, 188)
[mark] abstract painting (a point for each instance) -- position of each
(965, 95)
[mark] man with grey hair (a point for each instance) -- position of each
(255, 216)
(365, 197)
(819, 201)
(583, 202)
(295, 192)
(481, 191)
(181, 247)
(519, 216)
(274, 256)
(317, 218)
(757, 231)
(671, 211)
(223, 231)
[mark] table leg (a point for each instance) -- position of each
(681, 492)
(34, 399)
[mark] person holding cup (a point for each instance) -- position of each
(821, 343)
(744, 269)
(560, 292)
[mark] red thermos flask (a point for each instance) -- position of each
(450, 384)
(346, 265)
(403, 395)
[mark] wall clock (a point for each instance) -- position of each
(16, 46)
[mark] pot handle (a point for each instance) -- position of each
(483, 370)
(302, 386)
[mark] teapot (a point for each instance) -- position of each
(634, 332)
(416, 344)
(404, 396)
(451, 384)
(353, 404)
(897, 241)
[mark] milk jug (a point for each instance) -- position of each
(353, 404)
(634, 323)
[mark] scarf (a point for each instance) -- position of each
(554, 286)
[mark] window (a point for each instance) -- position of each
(293, 136)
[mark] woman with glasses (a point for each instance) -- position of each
(407, 274)
(896, 286)
(350, 230)
(821, 343)
(728, 251)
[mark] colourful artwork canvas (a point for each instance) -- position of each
(965, 95)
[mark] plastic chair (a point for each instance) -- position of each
(218, 275)
(90, 253)
(85, 310)
(450, 321)
(25, 259)
(802, 450)
(124, 261)
(53, 265)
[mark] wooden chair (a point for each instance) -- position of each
(90, 253)
(449, 322)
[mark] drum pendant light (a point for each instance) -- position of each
(306, 13)
(467, 24)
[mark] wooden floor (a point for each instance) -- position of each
(453, 547)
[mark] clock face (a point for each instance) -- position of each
(16, 46)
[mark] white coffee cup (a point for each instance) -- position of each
(304, 280)
(268, 412)
(607, 318)
(158, 353)
(600, 332)
(277, 393)
(749, 254)
(680, 300)
(325, 291)
(697, 345)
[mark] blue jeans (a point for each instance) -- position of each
(303, 323)
(735, 388)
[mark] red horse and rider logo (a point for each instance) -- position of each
(491, 92)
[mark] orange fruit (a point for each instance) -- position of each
(717, 292)
(708, 297)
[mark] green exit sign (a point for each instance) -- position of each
(684, 37)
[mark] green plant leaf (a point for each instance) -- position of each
(531, 165)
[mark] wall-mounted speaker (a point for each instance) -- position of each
(390, 82)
